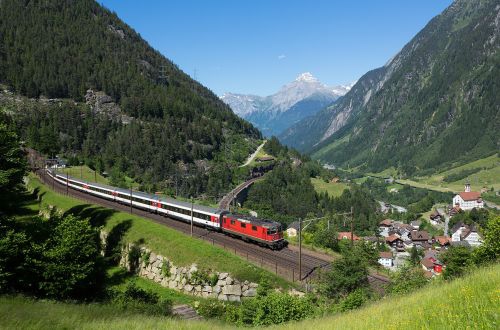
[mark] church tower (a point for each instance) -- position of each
(467, 187)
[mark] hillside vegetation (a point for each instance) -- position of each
(469, 302)
(144, 117)
(436, 103)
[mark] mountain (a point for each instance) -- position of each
(435, 103)
(93, 89)
(295, 101)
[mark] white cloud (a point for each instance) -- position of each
(282, 56)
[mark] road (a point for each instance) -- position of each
(252, 156)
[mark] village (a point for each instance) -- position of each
(401, 238)
(398, 239)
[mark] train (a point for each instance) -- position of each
(263, 232)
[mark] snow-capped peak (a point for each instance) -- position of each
(306, 77)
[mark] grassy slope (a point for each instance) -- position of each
(22, 313)
(333, 189)
(471, 302)
(84, 173)
(180, 248)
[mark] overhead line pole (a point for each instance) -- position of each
(130, 198)
(300, 249)
(192, 216)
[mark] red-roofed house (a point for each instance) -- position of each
(347, 235)
(468, 200)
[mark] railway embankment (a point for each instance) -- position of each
(179, 247)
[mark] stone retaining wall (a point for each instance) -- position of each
(185, 279)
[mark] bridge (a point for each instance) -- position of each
(235, 193)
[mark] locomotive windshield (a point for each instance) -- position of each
(272, 231)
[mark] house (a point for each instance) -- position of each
(386, 259)
(419, 237)
(435, 217)
(468, 199)
(465, 233)
(416, 224)
(454, 210)
(472, 236)
(264, 159)
(347, 235)
(293, 229)
(403, 230)
(384, 227)
(427, 264)
(371, 239)
(395, 242)
(443, 241)
(431, 264)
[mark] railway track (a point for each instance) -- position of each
(226, 200)
(284, 262)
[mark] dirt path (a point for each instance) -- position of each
(252, 156)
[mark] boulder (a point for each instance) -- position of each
(188, 288)
(221, 283)
(223, 276)
(234, 298)
(232, 290)
(217, 289)
(222, 297)
(229, 280)
(207, 288)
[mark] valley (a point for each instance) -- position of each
(154, 174)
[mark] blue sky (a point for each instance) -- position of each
(255, 47)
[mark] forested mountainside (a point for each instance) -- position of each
(148, 119)
(436, 102)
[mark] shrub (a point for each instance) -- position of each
(214, 278)
(211, 308)
(407, 280)
(278, 307)
(353, 300)
(145, 257)
(348, 274)
(199, 277)
(138, 300)
(165, 269)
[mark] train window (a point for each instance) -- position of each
(271, 231)
(254, 227)
(232, 222)
(243, 225)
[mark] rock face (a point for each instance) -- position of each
(161, 270)
(99, 102)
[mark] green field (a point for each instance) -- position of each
(488, 176)
(468, 303)
(333, 189)
(85, 173)
(180, 248)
